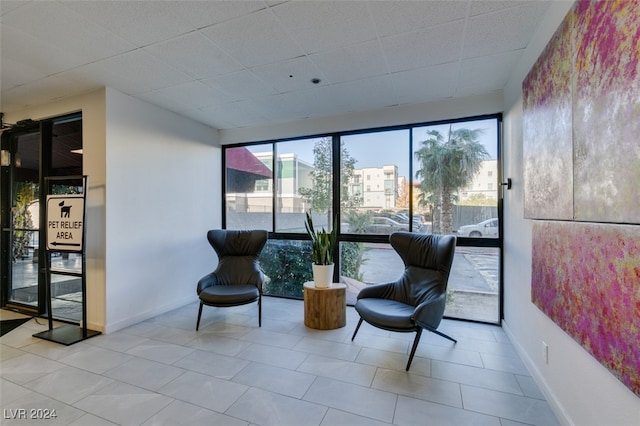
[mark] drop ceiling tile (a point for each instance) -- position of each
(241, 85)
(327, 25)
(285, 107)
(509, 29)
(34, 53)
(365, 94)
(209, 118)
(228, 57)
(45, 90)
(321, 102)
(99, 75)
(202, 14)
(167, 102)
(254, 39)
(289, 75)
(140, 22)
(7, 6)
(486, 74)
(425, 84)
(147, 72)
(421, 48)
(352, 63)
(194, 94)
(370, 93)
(194, 54)
(480, 7)
(55, 25)
(15, 73)
(398, 17)
(238, 114)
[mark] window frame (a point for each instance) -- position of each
(382, 238)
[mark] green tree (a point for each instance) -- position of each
(22, 220)
(447, 165)
(321, 177)
(320, 193)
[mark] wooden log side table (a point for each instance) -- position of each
(325, 308)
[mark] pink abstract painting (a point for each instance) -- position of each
(606, 111)
(586, 278)
(581, 117)
(547, 132)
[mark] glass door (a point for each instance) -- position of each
(21, 160)
(32, 151)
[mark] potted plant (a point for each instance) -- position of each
(323, 245)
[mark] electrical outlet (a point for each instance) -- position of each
(545, 352)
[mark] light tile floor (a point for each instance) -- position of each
(162, 372)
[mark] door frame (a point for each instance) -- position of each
(8, 142)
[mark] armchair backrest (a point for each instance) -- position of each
(238, 253)
(427, 260)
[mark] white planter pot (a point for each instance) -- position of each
(322, 275)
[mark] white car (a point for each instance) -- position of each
(487, 228)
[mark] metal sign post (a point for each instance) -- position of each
(66, 233)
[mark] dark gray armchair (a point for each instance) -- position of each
(417, 300)
(238, 279)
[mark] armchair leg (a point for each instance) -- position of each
(414, 347)
(439, 333)
(199, 315)
(357, 328)
(260, 311)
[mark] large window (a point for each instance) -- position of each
(456, 171)
(381, 159)
(249, 187)
(430, 178)
(271, 186)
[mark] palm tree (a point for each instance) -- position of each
(448, 165)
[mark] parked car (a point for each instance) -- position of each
(385, 225)
(487, 228)
(403, 218)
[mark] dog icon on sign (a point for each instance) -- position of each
(65, 211)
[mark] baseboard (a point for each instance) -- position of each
(143, 316)
(550, 396)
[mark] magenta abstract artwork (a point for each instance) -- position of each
(586, 278)
(606, 111)
(581, 117)
(547, 134)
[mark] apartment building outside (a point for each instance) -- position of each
(378, 186)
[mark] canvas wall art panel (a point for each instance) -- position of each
(586, 278)
(606, 112)
(547, 134)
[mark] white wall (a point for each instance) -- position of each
(580, 390)
(92, 106)
(407, 114)
(163, 194)
(154, 190)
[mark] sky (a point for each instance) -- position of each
(372, 149)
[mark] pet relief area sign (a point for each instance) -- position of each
(65, 215)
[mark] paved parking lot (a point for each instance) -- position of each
(473, 283)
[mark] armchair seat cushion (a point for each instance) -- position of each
(229, 295)
(386, 313)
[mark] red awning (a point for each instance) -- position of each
(243, 160)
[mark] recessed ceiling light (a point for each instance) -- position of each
(315, 80)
